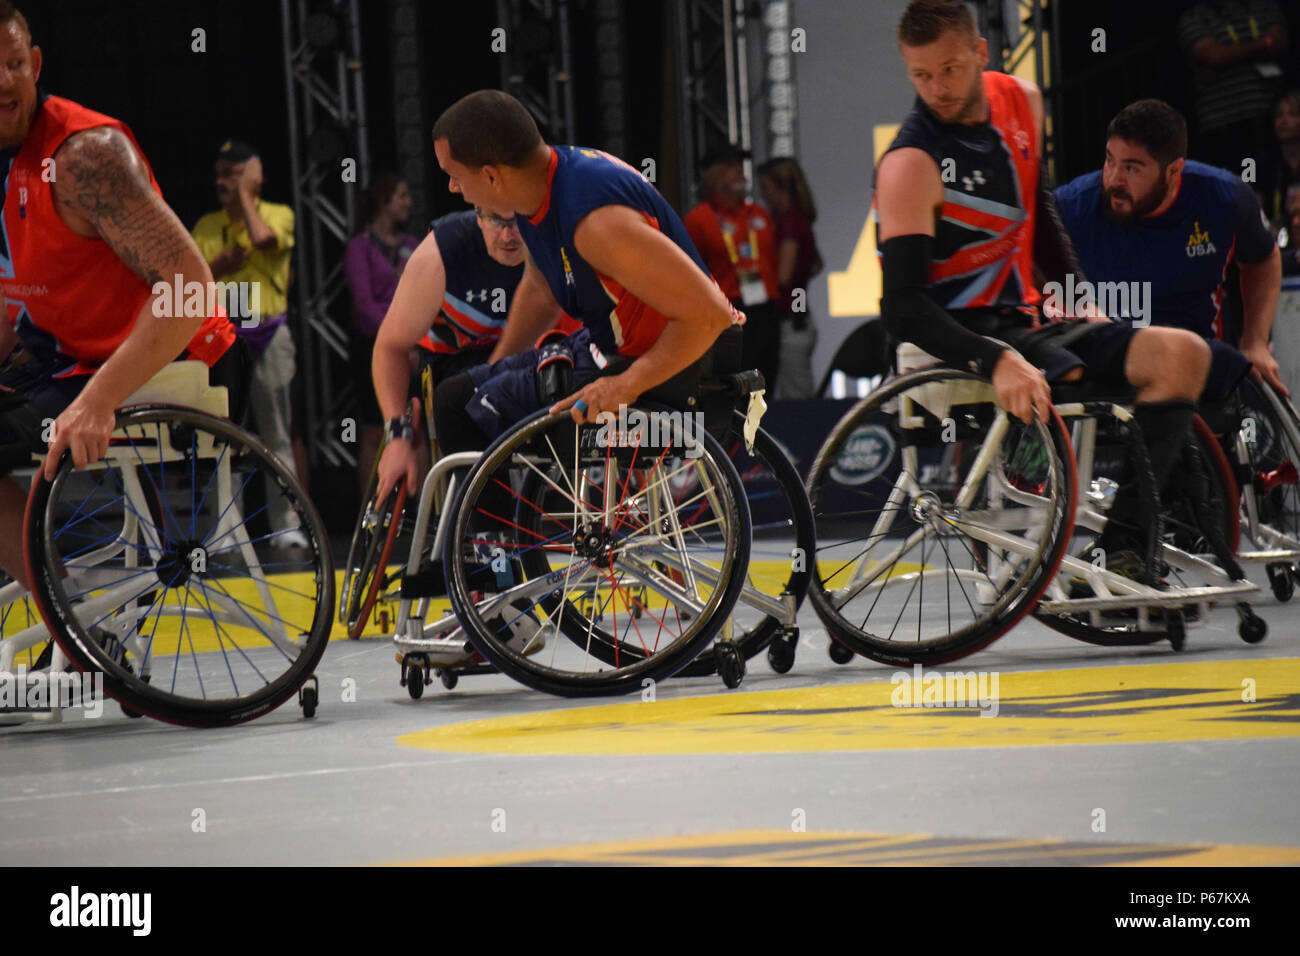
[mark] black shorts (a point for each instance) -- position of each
(1099, 348)
(31, 396)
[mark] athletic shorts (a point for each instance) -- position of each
(32, 395)
(1099, 348)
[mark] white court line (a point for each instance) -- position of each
(255, 778)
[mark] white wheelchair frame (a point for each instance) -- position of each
(182, 385)
(1112, 591)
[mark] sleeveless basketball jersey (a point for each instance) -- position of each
(479, 289)
(1184, 252)
(578, 182)
(71, 300)
(984, 238)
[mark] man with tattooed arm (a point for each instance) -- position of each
(86, 235)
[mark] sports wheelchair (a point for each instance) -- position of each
(941, 521)
(1258, 431)
(157, 568)
(588, 560)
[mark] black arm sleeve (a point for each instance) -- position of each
(1053, 252)
(911, 315)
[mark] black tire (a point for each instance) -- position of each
(368, 555)
(768, 475)
(728, 663)
(272, 648)
(781, 653)
(1252, 629)
(1282, 580)
(1200, 517)
(924, 461)
(769, 478)
(553, 441)
(838, 652)
(1269, 440)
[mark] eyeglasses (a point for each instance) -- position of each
(495, 221)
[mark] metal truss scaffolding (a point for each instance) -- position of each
(535, 64)
(712, 100)
(327, 128)
(1022, 37)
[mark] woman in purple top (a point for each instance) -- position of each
(786, 194)
(373, 262)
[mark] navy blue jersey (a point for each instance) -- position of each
(984, 235)
(579, 181)
(1184, 252)
(479, 289)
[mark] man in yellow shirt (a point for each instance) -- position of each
(247, 243)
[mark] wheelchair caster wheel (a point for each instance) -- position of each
(307, 698)
(1281, 580)
(731, 666)
(1176, 628)
(839, 653)
(1252, 629)
(780, 653)
(415, 674)
(449, 679)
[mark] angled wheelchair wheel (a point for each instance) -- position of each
(1199, 533)
(365, 573)
(575, 567)
(940, 520)
(781, 550)
(1266, 446)
(159, 567)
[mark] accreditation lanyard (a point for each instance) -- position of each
(1254, 31)
(752, 289)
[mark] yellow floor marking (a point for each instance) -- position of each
(1132, 704)
(783, 848)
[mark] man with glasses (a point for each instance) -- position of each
(450, 305)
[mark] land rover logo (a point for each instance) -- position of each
(865, 455)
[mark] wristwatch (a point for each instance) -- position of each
(396, 428)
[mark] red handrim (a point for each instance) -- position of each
(398, 497)
(1222, 466)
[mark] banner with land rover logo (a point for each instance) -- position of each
(865, 455)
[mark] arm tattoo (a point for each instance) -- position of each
(103, 181)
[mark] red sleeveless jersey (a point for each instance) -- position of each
(66, 294)
(984, 236)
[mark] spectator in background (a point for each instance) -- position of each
(1289, 235)
(1234, 47)
(786, 193)
(1282, 171)
(248, 242)
(737, 241)
(374, 261)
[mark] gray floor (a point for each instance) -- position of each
(340, 788)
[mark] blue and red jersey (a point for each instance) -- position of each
(580, 181)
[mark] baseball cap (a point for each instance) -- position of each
(729, 153)
(236, 151)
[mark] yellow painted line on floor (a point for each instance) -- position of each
(1205, 700)
(783, 848)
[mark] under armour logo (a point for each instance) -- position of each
(482, 294)
(973, 180)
